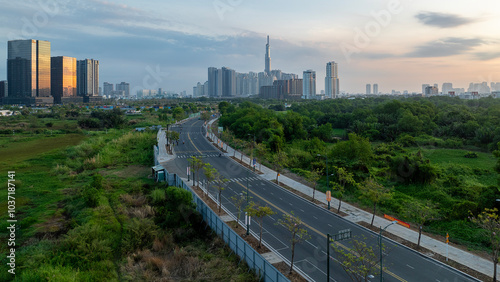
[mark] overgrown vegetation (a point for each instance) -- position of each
(434, 151)
(90, 213)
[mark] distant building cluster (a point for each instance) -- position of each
(269, 84)
(34, 77)
(122, 90)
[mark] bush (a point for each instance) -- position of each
(471, 155)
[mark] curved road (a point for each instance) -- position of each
(401, 263)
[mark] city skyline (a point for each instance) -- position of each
(399, 44)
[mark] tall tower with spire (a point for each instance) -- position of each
(268, 57)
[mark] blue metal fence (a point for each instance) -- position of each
(265, 270)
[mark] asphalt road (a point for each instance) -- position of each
(401, 263)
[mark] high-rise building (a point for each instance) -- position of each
(309, 84)
(228, 82)
(368, 89)
(424, 86)
(107, 88)
(87, 81)
(214, 82)
(331, 80)
(375, 88)
(268, 58)
(3, 89)
(63, 78)
(28, 70)
(431, 90)
(125, 87)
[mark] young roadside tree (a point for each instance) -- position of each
(261, 151)
(280, 160)
(255, 210)
(238, 202)
(344, 178)
(196, 164)
(360, 261)
(313, 177)
(490, 222)
(375, 193)
(220, 182)
(422, 213)
(297, 231)
(210, 174)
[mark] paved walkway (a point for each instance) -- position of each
(356, 215)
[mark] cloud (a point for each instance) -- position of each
(485, 56)
(446, 47)
(442, 20)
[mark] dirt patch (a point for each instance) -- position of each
(284, 268)
(430, 253)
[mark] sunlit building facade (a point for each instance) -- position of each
(28, 70)
(63, 77)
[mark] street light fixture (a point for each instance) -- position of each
(327, 174)
(380, 247)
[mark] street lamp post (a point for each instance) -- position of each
(380, 247)
(327, 174)
(248, 218)
(251, 155)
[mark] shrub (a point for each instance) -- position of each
(471, 155)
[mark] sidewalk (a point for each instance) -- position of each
(356, 215)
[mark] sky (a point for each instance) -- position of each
(399, 44)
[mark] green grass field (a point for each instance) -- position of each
(456, 156)
(13, 151)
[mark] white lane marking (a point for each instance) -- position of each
(410, 266)
(311, 244)
(315, 217)
(330, 225)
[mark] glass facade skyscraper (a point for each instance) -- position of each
(28, 69)
(63, 77)
(309, 84)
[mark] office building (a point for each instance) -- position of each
(28, 72)
(125, 87)
(331, 80)
(214, 82)
(431, 90)
(267, 69)
(63, 79)
(368, 89)
(290, 89)
(107, 89)
(309, 84)
(228, 82)
(3, 89)
(87, 72)
(375, 89)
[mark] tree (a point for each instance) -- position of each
(422, 213)
(344, 178)
(280, 160)
(313, 177)
(360, 261)
(375, 193)
(210, 174)
(205, 116)
(297, 231)
(261, 151)
(490, 222)
(255, 210)
(196, 164)
(219, 184)
(238, 203)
